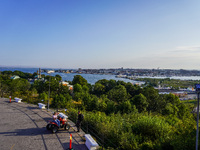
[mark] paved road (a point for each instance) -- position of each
(23, 127)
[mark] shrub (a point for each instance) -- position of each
(152, 128)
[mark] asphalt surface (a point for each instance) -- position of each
(23, 127)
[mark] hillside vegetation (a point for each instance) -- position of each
(167, 82)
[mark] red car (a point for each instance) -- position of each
(60, 122)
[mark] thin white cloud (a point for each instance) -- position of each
(187, 49)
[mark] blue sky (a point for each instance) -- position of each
(100, 33)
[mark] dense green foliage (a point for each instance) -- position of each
(120, 115)
(19, 73)
(167, 82)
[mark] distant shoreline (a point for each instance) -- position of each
(129, 74)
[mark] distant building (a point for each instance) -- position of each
(39, 74)
(177, 93)
(70, 87)
(64, 83)
(67, 84)
(50, 71)
(15, 77)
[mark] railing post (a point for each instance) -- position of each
(103, 142)
(87, 128)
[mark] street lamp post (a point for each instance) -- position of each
(197, 87)
(49, 93)
(0, 83)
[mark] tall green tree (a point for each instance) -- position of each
(94, 104)
(152, 98)
(125, 107)
(173, 99)
(99, 89)
(39, 86)
(111, 107)
(44, 96)
(78, 79)
(63, 89)
(5, 82)
(59, 101)
(58, 77)
(118, 94)
(133, 89)
(19, 86)
(140, 101)
(77, 88)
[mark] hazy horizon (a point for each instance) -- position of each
(30, 67)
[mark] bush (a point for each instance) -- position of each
(152, 128)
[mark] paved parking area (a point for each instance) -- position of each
(23, 127)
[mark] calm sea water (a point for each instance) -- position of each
(92, 78)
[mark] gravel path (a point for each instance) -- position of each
(23, 127)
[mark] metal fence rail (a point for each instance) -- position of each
(100, 138)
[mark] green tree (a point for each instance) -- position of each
(8, 73)
(31, 96)
(183, 111)
(22, 74)
(102, 105)
(171, 98)
(44, 96)
(54, 84)
(5, 82)
(118, 94)
(133, 89)
(94, 104)
(119, 82)
(78, 79)
(59, 101)
(103, 82)
(168, 109)
(125, 107)
(108, 84)
(111, 84)
(58, 77)
(152, 129)
(19, 86)
(86, 98)
(77, 88)
(111, 107)
(99, 89)
(152, 98)
(140, 101)
(85, 88)
(63, 89)
(39, 86)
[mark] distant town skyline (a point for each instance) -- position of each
(91, 34)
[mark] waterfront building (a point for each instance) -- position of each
(50, 71)
(15, 77)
